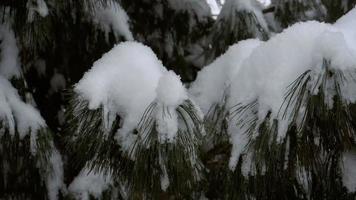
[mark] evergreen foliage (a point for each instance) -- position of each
(58, 41)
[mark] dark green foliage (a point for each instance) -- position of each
(20, 169)
(177, 160)
(91, 142)
(94, 144)
(169, 32)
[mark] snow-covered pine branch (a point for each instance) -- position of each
(146, 110)
(238, 20)
(26, 144)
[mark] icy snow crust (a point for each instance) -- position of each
(125, 81)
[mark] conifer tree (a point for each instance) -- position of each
(336, 9)
(238, 20)
(31, 166)
(288, 12)
(156, 99)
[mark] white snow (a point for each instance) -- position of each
(9, 60)
(14, 110)
(267, 73)
(264, 71)
(54, 180)
(170, 94)
(124, 82)
(112, 17)
(349, 171)
(89, 183)
(170, 90)
(214, 6)
(346, 24)
(38, 6)
(214, 80)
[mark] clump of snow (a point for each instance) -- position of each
(112, 17)
(124, 82)
(54, 180)
(89, 183)
(14, 110)
(170, 94)
(264, 72)
(9, 60)
(276, 63)
(38, 6)
(170, 90)
(214, 80)
(349, 171)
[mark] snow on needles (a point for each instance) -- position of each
(18, 117)
(38, 6)
(170, 94)
(112, 17)
(12, 108)
(264, 73)
(267, 73)
(251, 6)
(126, 83)
(89, 183)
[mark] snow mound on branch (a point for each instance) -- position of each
(170, 90)
(170, 94)
(89, 183)
(213, 80)
(15, 115)
(266, 70)
(9, 60)
(123, 81)
(112, 17)
(283, 59)
(38, 6)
